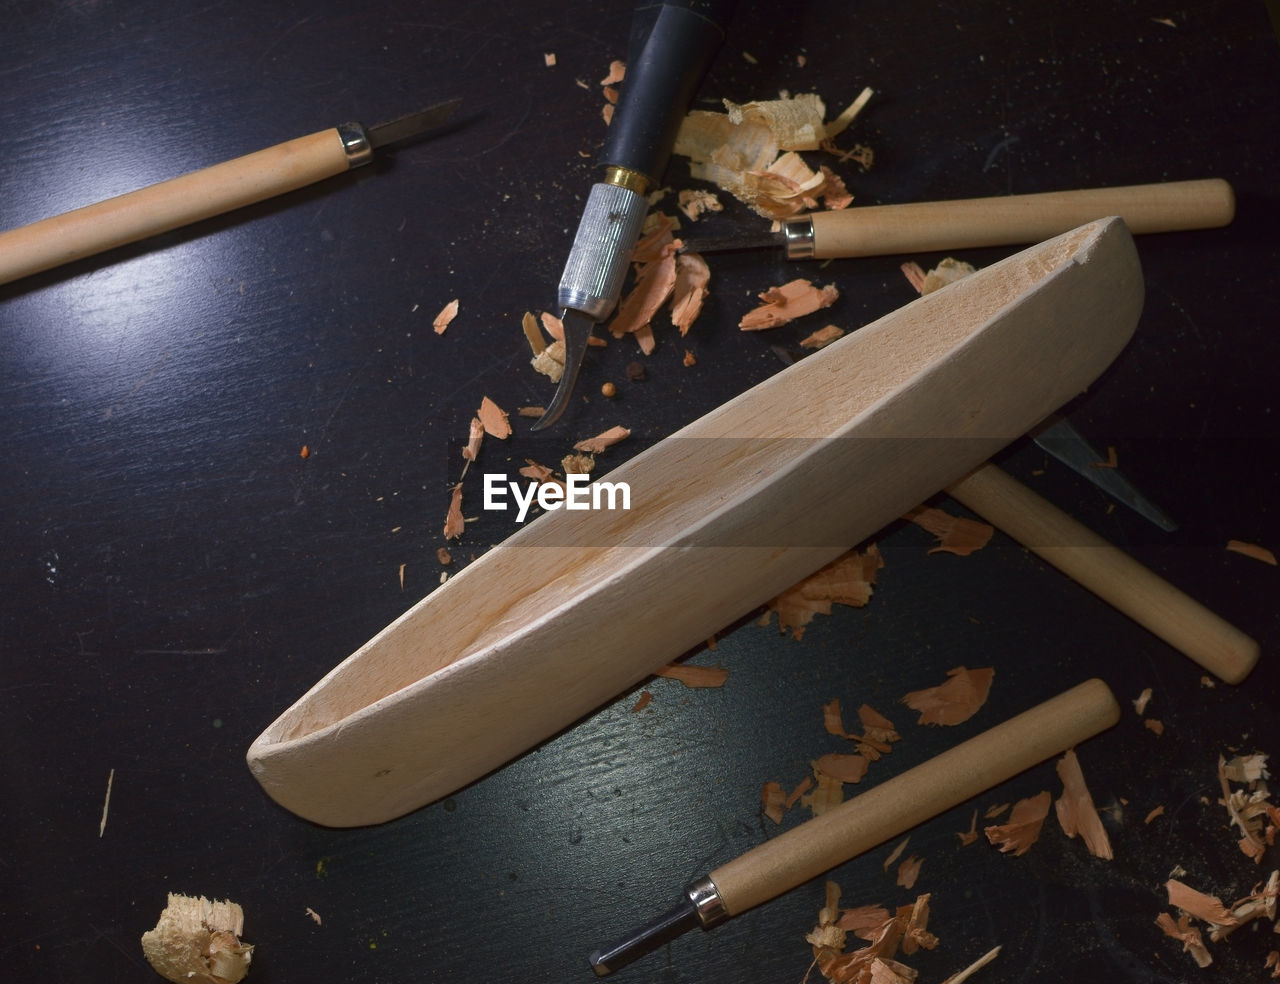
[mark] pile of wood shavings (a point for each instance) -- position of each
(198, 942)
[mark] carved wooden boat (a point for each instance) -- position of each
(725, 514)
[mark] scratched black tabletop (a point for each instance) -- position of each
(176, 573)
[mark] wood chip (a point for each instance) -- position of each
(909, 871)
(198, 942)
(446, 315)
(695, 676)
(529, 324)
(655, 280)
(827, 793)
(1022, 829)
(695, 203)
(773, 801)
(895, 854)
(956, 534)
(1142, 700)
(1190, 937)
(474, 439)
(847, 580)
(443, 556)
(822, 337)
(971, 835)
(843, 766)
(689, 359)
(1252, 550)
(495, 420)
(606, 439)
(617, 72)
(1154, 725)
(1157, 812)
(642, 702)
(577, 464)
(549, 59)
(783, 304)
(550, 361)
(1076, 812)
(954, 701)
(1198, 904)
(106, 802)
(454, 524)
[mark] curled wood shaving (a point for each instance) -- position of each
(446, 315)
(786, 303)
(198, 942)
(954, 701)
(1156, 812)
(1076, 812)
(1249, 808)
(1190, 937)
(1252, 550)
(884, 933)
(1022, 829)
(956, 534)
(689, 291)
(606, 439)
(695, 676)
(847, 580)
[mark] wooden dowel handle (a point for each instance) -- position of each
(170, 204)
(885, 230)
(900, 803)
(1108, 572)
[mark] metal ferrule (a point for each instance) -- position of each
(355, 144)
(602, 248)
(797, 237)
(707, 902)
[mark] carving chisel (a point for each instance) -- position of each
(970, 223)
(672, 45)
(868, 820)
(202, 194)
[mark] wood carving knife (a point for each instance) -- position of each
(883, 812)
(205, 193)
(926, 227)
(672, 45)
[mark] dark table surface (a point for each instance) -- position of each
(175, 573)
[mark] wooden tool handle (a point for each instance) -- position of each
(884, 230)
(1108, 572)
(170, 204)
(904, 801)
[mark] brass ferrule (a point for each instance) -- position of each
(624, 177)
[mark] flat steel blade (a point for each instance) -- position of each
(411, 124)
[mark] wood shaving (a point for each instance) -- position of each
(971, 835)
(1199, 905)
(1022, 829)
(550, 361)
(539, 473)
(495, 420)
(474, 439)
(786, 303)
(954, 701)
(1076, 812)
(655, 281)
(446, 315)
(315, 916)
(1141, 701)
(577, 464)
(822, 337)
(530, 411)
(802, 787)
(606, 439)
(909, 871)
(617, 72)
(549, 59)
(1252, 550)
(995, 810)
(642, 702)
(1157, 812)
(694, 676)
(198, 942)
(739, 152)
(689, 359)
(961, 976)
(895, 854)
(827, 792)
(956, 534)
(530, 326)
(884, 933)
(1154, 725)
(843, 766)
(454, 524)
(443, 556)
(106, 802)
(1249, 809)
(695, 203)
(773, 800)
(1191, 938)
(847, 580)
(689, 291)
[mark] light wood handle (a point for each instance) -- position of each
(907, 800)
(885, 230)
(170, 204)
(1108, 572)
